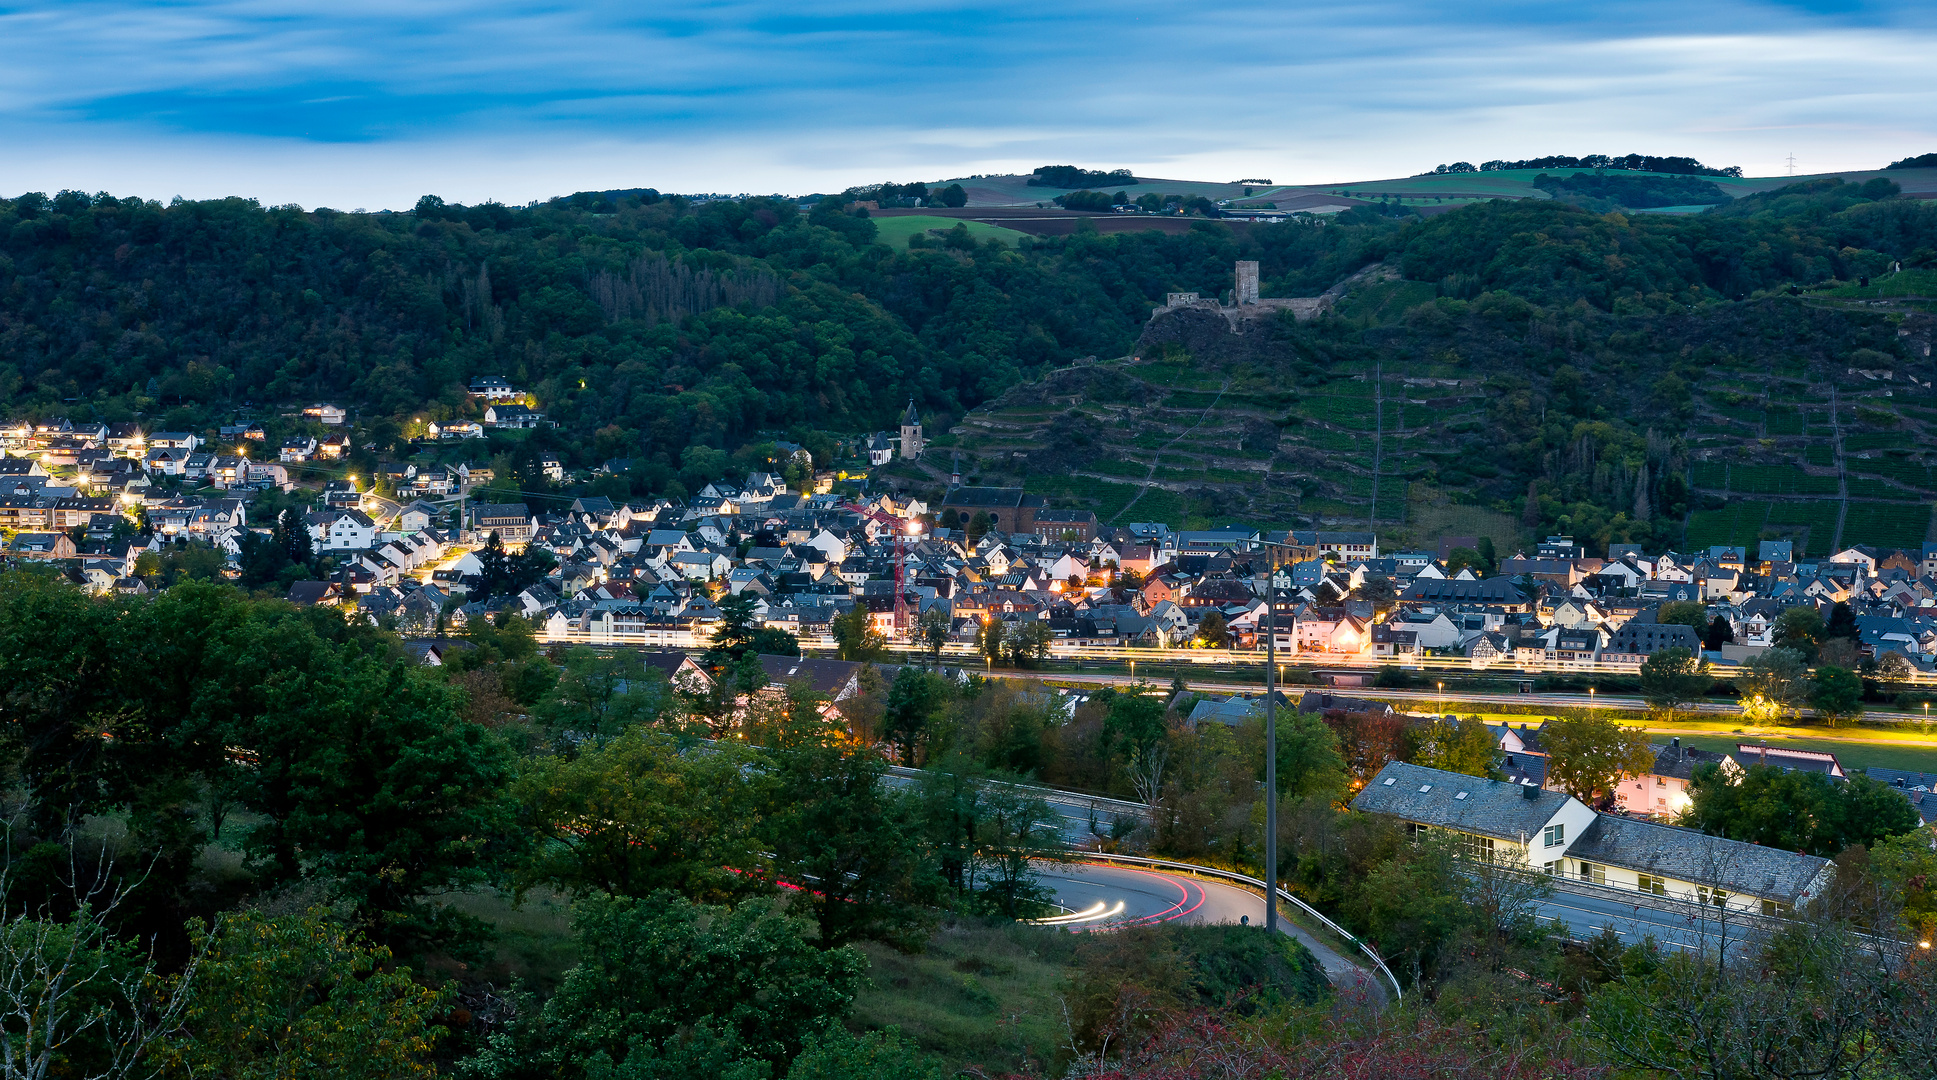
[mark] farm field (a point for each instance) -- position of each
(895, 231)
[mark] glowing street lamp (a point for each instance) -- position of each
(1442, 699)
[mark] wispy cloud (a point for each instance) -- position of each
(373, 103)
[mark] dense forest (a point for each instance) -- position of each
(671, 332)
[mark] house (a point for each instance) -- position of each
(418, 516)
(333, 447)
(312, 593)
(494, 388)
(41, 545)
(880, 448)
(511, 521)
(325, 413)
(833, 680)
(174, 440)
(1663, 791)
(1065, 524)
(341, 530)
(1644, 639)
(297, 448)
(1558, 833)
(1009, 510)
(511, 416)
(1320, 703)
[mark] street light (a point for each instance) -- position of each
(1442, 698)
(1590, 699)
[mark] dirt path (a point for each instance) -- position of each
(1158, 457)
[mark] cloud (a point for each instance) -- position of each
(365, 103)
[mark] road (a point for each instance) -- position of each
(1684, 925)
(1103, 897)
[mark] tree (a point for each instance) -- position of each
(953, 196)
(1689, 613)
(1720, 633)
(933, 630)
(1465, 558)
(978, 524)
(1029, 643)
(733, 637)
(76, 1002)
(1671, 678)
(853, 844)
(667, 987)
(1772, 684)
(640, 815)
(300, 995)
(1842, 622)
(915, 699)
(1800, 628)
(988, 637)
(1489, 557)
(1462, 746)
(1795, 811)
(1837, 695)
(1379, 591)
(1211, 630)
(855, 637)
(1588, 756)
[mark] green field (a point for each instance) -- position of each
(895, 231)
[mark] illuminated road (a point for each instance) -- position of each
(1100, 897)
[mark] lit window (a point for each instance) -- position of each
(1649, 884)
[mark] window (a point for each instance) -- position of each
(1661, 781)
(1552, 868)
(1593, 874)
(1711, 896)
(1650, 884)
(1476, 847)
(1556, 835)
(1776, 909)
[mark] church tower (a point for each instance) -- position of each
(911, 443)
(955, 474)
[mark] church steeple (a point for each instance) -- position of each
(955, 474)
(911, 440)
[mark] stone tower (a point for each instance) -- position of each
(1247, 292)
(911, 442)
(955, 474)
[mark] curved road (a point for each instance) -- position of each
(1103, 897)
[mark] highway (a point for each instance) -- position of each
(1688, 926)
(1102, 897)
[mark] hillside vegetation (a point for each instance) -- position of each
(1509, 344)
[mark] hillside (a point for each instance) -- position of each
(1502, 344)
(1425, 404)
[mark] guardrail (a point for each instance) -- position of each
(1230, 875)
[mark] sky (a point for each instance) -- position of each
(360, 104)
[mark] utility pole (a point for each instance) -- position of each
(1271, 746)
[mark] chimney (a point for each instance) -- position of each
(1529, 792)
(1677, 745)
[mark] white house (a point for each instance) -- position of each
(338, 530)
(1557, 833)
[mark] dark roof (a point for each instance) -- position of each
(1490, 808)
(1495, 590)
(984, 497)
(826, 677)
(1915, 786)
(1682, 761)
(1322, 703)
(309, 593)
(1692, 856)
(1647, 638)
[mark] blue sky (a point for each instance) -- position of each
(354, 103)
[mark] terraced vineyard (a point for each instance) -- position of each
(1770, 423)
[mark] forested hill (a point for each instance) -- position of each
(653, 325)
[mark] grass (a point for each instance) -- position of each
(1907, 283)
(1887, 524)
(895, 231)
(532, 941)
(987, 996)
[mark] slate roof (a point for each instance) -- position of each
(1645, 639)
(1495, 590)
(826, 677)
(1490, 808)
(1688, 855)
